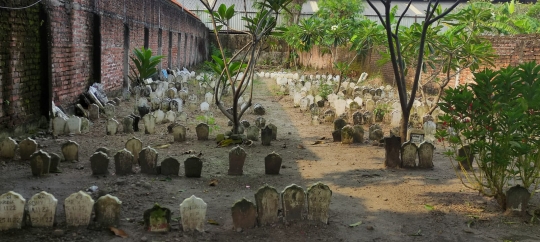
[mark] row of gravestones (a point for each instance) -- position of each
(404, 155)
(28, 147)
(41, 209)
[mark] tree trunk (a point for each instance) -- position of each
(404, 124)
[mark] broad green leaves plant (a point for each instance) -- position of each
(145, 64)
(498, 118)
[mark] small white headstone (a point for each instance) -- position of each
(11, 210)
(59, 124)
(193, 214)
(74, 125)
(78, 207)
(42, 209)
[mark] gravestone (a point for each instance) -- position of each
(109, 111)
(193, 214)
(347, 134)
(260, 122)
(27, 147)
(93, 112)
(157, 219)
(143, 110)
(272, 164)
(105, 150)
(237, 158)
(134, 146)
(127, 124)
(202, 130)
(293, 199)
(274, 131)
(149, 124)
(392, 148)
(425, 155)
(78, 208)
(179, 133)
(107, 209)
(8, 147)
(170, 116)
(465, 157)
(416, 135)
(358, 135)
(85, 125)
(358, 118)
(517, 200)
(42, 209)
(99, 163)
(123, 162)
(368, 117)
(267, 201)
(11, 210)
(170, 166)
(409, 151)
(266, 136)
(112, 126)
(160, 116)
(244, 215)
(318, 197)
(74, 125)
(253, 133)
(329, 116)
(339, 124)
(54, 162)
(193, 167)
(59, 125)
(258, 109)
(136, 120)
(40, 163)
(336, 135)
(148, 158)
(70, 151)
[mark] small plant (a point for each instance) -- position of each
(325, 90)
(145, 65)
(211, 121)
(381, 110)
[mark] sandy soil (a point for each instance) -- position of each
(389, 203)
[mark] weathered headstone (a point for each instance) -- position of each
(99, 163)
(258, 109)
(105, 150)
(358, 118)
(202, 131)
(318, 196)
(358, 135)
(159, 115)
(55, 161)
(123, 162)
(93, 112)
(260, 122)
(392, 148)
(409, 151)
(85, 125)
(170, 166)
(134, 145)
(74, 125)
(42, 209)
(127, 124)
(11, 210)
(179, 133)
(339, 123)
(272, 164)
(78, 207)
(193, 167)
(149, 124)
(27, 147)
(293, 199)
(237, 158)
(347, 134)
(70, 151)
(425, 155)
(8, 147)
(244, 214)
(416, 135)
(517, 200)
(107, 209)
(274, 131)
(148, 158)
(109, 111)
(157, 219)
(266, 136)
(193, 213)
(267, 200)
(252, 133)
(112, 126)
(59, 125)
(40, 163)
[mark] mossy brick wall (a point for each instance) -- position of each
(20, 71)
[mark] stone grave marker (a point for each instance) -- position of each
(409, 151)
(27, 147)
(157, 219)
(318, 197)
(149, 124)
(70, 151)
(179, 133)
(347, 134)
(127, 124)
(517, 200)
(148, 158)
(293, 199)
(59, 125)
(85, 125)
(93, 112)
(134, 145)
(329, 116)
(40, 163)
(358, 118)
(237, 158)
(160, 116)
(170, 166)
(425, 155)
(112, 126)
(244, 215)
(42, 209)
(55, 161)
(358, 135)
(99, 163)
(109, 110)
(8, 147)
(416, 135)
(267, 200)
(123, 162)
(193, 167)
(78, 208)
(202, 131)
(430, 128)
(136, 120)
(368, 117)
(105, 150)
(274, 131)
(260, 122)
(253, 133)
(266, 136)
(392, 147)
(170, 116)
(11, 210)
(193, 214)
(272, 164)
(107, 209)
(258, 109)
(74, 125)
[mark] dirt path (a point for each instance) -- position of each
(391, 204)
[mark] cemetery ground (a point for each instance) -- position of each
(369, 202)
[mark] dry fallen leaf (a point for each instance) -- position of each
(300, 147)
(318, 142)
(213, 222)
(118, 232)
(162, 146)
(213, 182)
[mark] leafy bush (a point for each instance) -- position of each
(145, 64)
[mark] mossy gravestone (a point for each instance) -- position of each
(148, 161)
(202, 131)
(318, 197)
(244, 215)
(193, 214)
(425, 155)
(409, 152)
(272, 164)
(267, 200)
(55, 161)
(237, 158)
(392, 147)
(40, 163)
(70, 150)
(42, 209)
(157, 219)
(293, 199)
(27, 147)
(107, 209)
(123, 162)
(11, 210)
(78, 207)
(99, 162)
(8, 148)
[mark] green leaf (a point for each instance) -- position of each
(355, 224)
(428, 207)
(230, 12)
